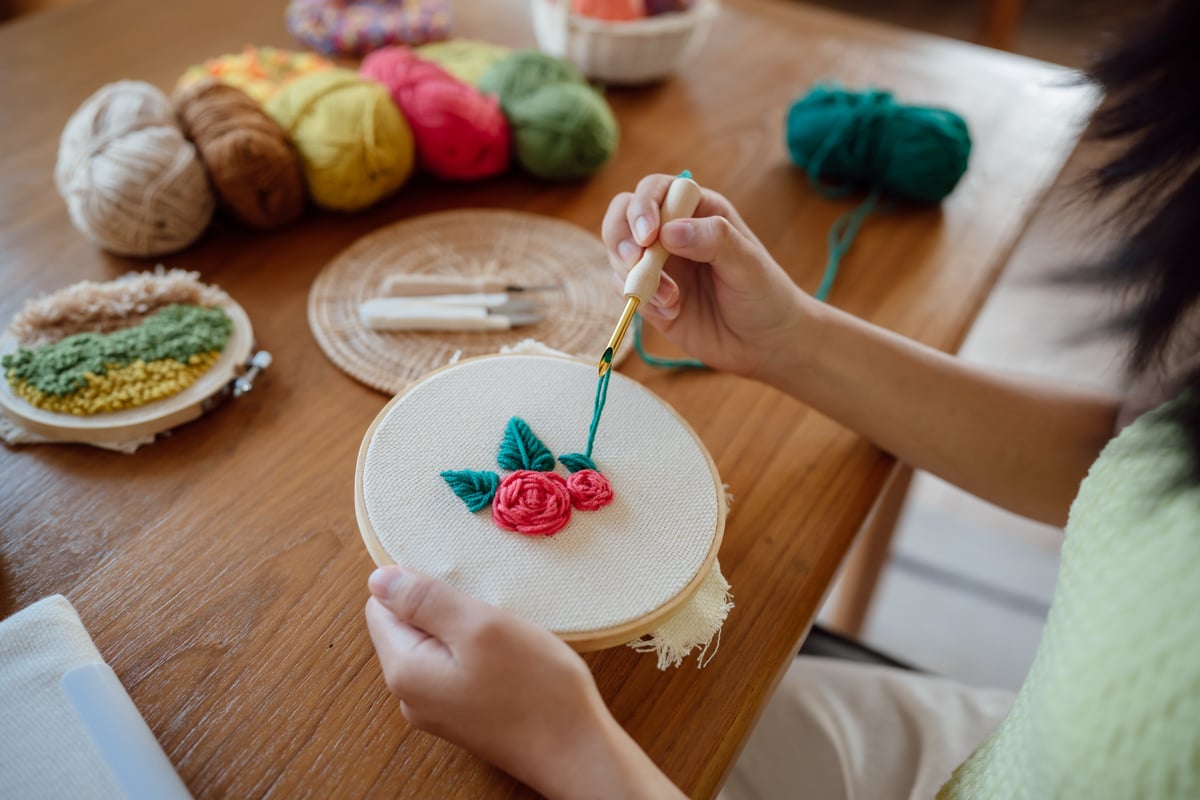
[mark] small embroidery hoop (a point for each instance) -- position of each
(132, 424)
(586, 641)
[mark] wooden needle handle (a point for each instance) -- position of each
(681, 202)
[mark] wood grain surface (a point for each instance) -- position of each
(220, 570)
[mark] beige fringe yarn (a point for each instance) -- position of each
(133, 184)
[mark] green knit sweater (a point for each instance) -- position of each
(1111, 705)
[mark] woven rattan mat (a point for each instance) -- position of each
(518, 248)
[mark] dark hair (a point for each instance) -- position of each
(1151, 114)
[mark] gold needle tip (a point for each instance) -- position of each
(606, 361)
(631, 305)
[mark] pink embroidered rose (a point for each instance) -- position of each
(534, 503)
(589, 490)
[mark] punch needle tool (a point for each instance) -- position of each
(642, 282)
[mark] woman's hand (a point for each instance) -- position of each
(510, 692)
(722, 297)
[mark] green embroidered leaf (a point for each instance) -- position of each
(475, 488)
(577, 461)
(521, 449)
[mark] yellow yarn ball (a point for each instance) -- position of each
(353, 142)
(465, 59)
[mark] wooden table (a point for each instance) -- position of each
(220, 570)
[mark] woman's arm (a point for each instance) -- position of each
(1020, 443)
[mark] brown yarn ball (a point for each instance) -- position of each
(253, 167)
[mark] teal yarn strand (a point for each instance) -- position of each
(656, 361)
(598, 407)
(866, 141)
(841, 236)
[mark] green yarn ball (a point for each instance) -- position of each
(562, 131)
(866, 140)
(519, 74)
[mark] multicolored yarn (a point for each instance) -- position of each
(258, 71)
(89, 373)
(350, 28)
(460, 133)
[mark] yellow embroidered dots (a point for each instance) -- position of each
(119, 388)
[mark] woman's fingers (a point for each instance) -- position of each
(642, 213)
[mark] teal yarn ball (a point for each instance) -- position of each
(562, 131)
(519, 74)
(866, 140)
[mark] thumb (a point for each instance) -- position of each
(709, 240)
(423, 602)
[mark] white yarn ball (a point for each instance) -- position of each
(133, 184)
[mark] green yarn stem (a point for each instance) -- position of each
(598, 409)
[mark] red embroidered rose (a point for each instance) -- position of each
(534, 503)
(589, 490)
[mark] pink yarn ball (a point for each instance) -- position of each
(460, 132)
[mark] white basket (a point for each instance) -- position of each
(637, 51)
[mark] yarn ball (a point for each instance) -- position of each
(867, 140)
(465, 59)
(357, 27)
(563, 131)
(611, 10)
(459, 132)
(258, 71)
(253, 168)
(354, 145)
(520, 74)
(133, 184)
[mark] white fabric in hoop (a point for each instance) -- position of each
(607, 567)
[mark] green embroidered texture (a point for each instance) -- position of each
(177, 332)
(521, 449)
(475, 488)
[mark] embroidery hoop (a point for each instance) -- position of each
(131, 424)
(702, 545)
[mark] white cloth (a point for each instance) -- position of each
(48, 747)
(12, 433)
(840, 730)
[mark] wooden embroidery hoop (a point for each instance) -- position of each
(585, 641)
(132, 424)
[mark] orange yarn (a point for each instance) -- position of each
(253, 168)
(612, 10)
